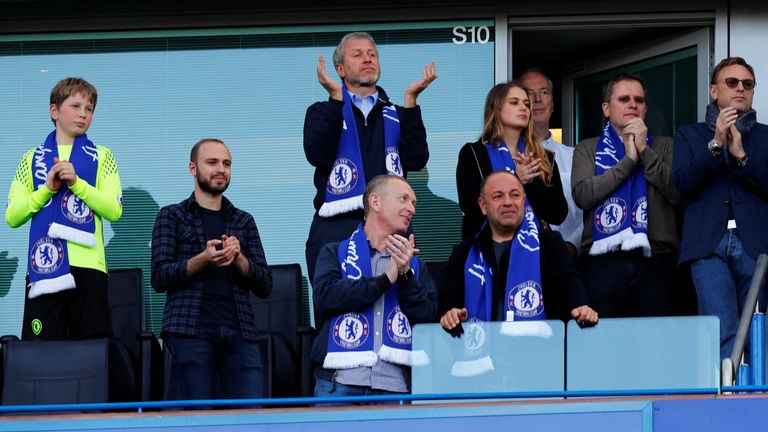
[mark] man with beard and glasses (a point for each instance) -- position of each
(356, 135)
(207, 256)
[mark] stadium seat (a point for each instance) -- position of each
(78, 374)
(280, 317)
(126, 306)
(55, 372)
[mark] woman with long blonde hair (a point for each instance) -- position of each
(508, 130)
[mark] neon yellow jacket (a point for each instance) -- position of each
(105, 199)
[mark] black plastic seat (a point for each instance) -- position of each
(279, 317)
(77, 371)
(55, 372)
(126, 306)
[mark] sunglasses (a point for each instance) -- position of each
(748, 84)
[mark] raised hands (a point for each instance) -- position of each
(635, 136)
(725, 120)
(62, 172)
(413, 90)
(726, 133)
(329, 84)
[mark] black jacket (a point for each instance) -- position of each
(334, 295)
(322, 130)
(561, 282)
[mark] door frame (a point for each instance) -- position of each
(702, 24)
(701, 39)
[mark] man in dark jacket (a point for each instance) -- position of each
(721, 167)
(356, 135)
(368, 291)
(512, 266)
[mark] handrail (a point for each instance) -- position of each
(140, 406)
(727, 373)
(758, 278)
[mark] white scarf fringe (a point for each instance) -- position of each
(68, 233)
(349, 360)
(612, 243)
(341, 206)
(50, 286)
(639, 240)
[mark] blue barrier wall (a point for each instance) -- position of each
(629, 416)
(706, 414)
(738, 414)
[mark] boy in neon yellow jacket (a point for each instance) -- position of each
(66, 185)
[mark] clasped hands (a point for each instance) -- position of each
(635, 135)
(401, 250)
(726, 133)
(527, 167)
(224, 256)
(63, 172)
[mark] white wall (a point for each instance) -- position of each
(749, 39)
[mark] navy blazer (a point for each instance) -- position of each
(713, 185)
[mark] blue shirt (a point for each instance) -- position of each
(383, 375)
(365, 105)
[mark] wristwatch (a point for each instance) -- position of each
(408, 275)
(741, 162)
(714, 148)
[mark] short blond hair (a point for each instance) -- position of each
(72, 86)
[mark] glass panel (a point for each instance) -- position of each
(644, 353)
(490, 357)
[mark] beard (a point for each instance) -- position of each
(206, 186)
(366, 81)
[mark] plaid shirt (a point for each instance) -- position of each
(178, 236)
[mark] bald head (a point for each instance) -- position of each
(501, 173)
(502, 201)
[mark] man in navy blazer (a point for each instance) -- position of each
(721, 167)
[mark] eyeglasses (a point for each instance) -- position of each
(748, 84)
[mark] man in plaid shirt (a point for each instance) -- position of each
(207, 256)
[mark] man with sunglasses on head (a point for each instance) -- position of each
(721, 167)
(623, 182)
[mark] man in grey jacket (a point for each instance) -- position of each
(623, 182)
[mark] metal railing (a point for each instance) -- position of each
(731, 364)
(311, 401)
